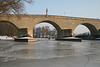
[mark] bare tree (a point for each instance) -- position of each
(12, 6)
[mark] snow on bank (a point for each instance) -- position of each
(6, 38)
(98, 38)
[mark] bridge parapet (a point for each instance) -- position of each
(49, 16)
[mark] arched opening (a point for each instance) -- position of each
(8, 29)
(86, 31)
(92, 28)
(52, 29)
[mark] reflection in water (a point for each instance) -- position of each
(64, 49)
(44, 49)
(31, 50)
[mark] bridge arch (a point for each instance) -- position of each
(57, 27)
(91, 27)
(8, 28)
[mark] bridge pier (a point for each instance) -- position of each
(25, 32)
(64, 33)
(67, 33)
(22, 32)
(98, 34)
(30, 32)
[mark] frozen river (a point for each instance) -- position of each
(50, 53)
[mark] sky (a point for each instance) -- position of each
(84, 29)
(73, 8)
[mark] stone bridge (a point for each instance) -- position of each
(16, 25)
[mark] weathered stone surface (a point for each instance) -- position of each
(59, 22)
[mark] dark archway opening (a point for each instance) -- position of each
(92, 28)
(8, 29)
(88, 31)
(56, 30)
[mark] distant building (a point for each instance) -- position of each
(44, 32)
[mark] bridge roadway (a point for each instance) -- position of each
(24, 24)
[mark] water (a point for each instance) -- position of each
(50, 53)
